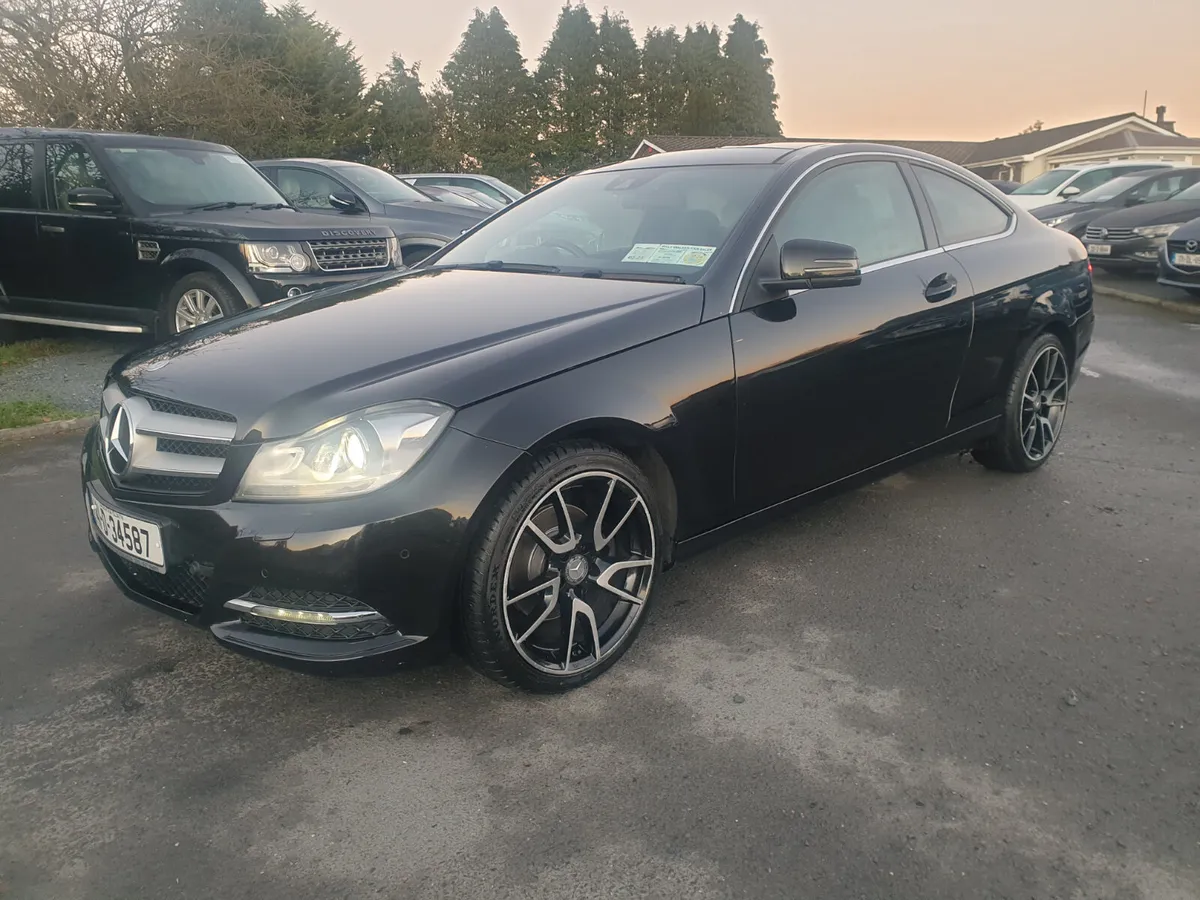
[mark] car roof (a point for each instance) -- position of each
(772, 153)
(1122, 164)
(113, 138)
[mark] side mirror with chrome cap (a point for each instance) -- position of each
(92, 199)
(805, 263)
(344, 201)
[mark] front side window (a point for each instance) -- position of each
(178, 178)
(1046, 182)
(378, 184)
(1192, 193)
(1110, 189)
(669, 221)
(1165, 186)
(70, 165)
(960, 212)
(866, 205)
(16, 176)
(1093, 179)
(306, 188)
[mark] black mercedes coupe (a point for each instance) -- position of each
(504, 448)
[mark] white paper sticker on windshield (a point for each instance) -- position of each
(670, 254)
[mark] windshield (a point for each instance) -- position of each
(649, 222)
(379, 185)
(1046, 182)
(1109, 189)
(176, 178)
(1192, 193)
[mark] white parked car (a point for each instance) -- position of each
(1066, 182)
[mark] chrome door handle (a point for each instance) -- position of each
(53, 229)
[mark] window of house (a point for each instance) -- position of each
(866, 205)
(960, 212)
(16, 176)
(70, 166)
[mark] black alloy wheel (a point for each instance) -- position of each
(561, 580)
(1034, 411)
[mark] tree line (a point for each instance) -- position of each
(281, 82)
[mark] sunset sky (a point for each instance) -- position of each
(949, 69)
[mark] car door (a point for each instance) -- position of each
(834, 380)
(969, 224)
(89, 255)
(309, 190)
(21, 278)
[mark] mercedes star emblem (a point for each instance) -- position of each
(119, 441)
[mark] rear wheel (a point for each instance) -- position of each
(196, 299)
(560, 581)
(1034, 411)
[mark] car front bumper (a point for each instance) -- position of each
(1131, 255)
(269, 288)
(1173, 275)
(397, 552)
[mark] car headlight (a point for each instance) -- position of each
(1057, 221)
(345, 457)
(277, 258)
(394, 252)
(1157, 231)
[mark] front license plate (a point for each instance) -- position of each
(1186, 259)
(135, 538)
(1099, 249)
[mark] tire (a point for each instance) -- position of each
(1029, 404)
(193, 289)
(515, 633)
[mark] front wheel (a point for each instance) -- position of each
(196, 299)
(559, 584)
(1034, 410)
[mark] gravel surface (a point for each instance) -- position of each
(72, 380)
(951, 685)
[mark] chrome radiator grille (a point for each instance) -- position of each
(350, 254)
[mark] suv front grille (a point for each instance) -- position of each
(350, 254)
(174, 447)
(1096, 233)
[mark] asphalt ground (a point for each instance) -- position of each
(951, 684)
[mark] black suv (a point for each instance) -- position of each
(130, 233)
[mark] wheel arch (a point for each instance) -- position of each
(191, 260)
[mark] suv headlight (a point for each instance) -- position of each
(345, 457)
(1156, 231)
(394, 252)
(277, 258)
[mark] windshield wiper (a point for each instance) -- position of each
(271, 206)
(499, 265)
(220, 204)
(629, 276)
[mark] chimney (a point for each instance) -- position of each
(1161, 122)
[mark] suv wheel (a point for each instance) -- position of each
(195, 300)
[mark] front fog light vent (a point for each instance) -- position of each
(310, 614)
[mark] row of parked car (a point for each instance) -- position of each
(140, 234)
(1136, 218)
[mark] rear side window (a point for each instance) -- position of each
(70, 165)
(960, 212)
(16, 176)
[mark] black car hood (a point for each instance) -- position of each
(425, 216)
(1187, 232)
(1163, 212)
(245, 224)
(1065, 208)
(455, 337)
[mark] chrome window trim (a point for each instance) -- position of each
(874, 267)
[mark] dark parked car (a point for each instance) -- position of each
(1124, 191)
(354, 193)
(502, 192)
(1179, 264)
(129, 233)
(458, 196)
(1133, 239)
(510, 443)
